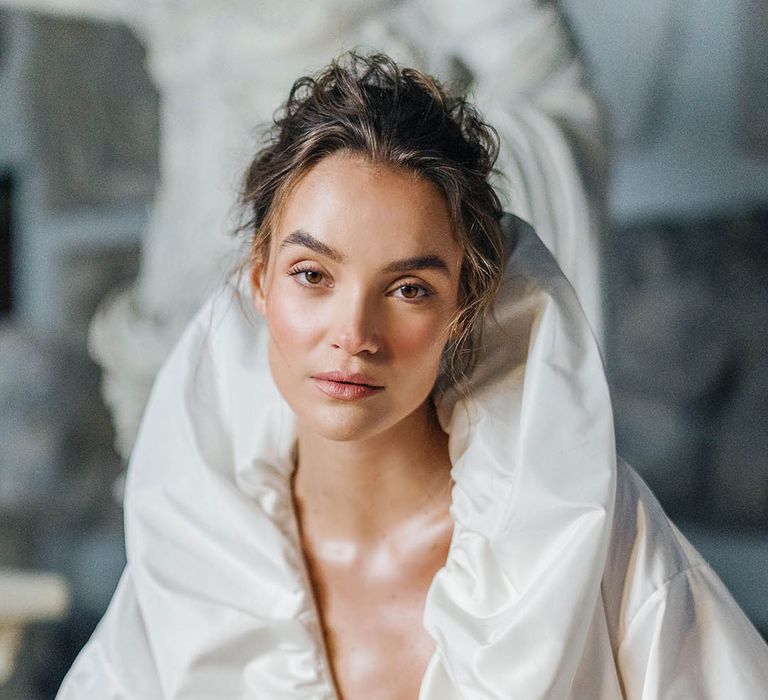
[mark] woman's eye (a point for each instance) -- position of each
(412, 291)
(308, 277)
(312, 276)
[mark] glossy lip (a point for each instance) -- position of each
(346, 386)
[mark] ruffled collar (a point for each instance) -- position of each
(213, 544)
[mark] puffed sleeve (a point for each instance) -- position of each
(676, 631)
(116, 663)
(691, 640)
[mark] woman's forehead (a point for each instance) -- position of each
(351, 205)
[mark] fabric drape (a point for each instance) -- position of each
(564, 578)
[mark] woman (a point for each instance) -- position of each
(382, 489)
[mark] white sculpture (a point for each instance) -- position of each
(223, 68)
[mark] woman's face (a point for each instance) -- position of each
(361, 282)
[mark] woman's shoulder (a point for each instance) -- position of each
(669, 617)
(646, 551)
(642, 528)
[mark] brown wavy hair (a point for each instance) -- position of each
(400, 118)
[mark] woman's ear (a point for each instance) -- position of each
(258, 290)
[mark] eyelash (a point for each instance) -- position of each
(302, 269)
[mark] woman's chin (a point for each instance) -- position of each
(344, 423)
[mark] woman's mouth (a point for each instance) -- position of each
(346, 387)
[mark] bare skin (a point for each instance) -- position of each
(358, 291)
(372, 559)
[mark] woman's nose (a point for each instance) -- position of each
(357, 329)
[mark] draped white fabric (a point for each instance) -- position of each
(564, 578)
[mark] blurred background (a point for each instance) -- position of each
(635, 137)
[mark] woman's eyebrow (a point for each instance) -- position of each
(419, 262)
(307, 240)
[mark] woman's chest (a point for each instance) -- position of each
(376, 643)
(372, 620)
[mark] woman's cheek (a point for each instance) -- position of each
(422, 337)
(294, 321)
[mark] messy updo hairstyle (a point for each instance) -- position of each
(399, 118)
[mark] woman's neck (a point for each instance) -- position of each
(372, 488)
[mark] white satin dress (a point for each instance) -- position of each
(564, 578)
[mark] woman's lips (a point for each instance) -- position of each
(347, 387)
